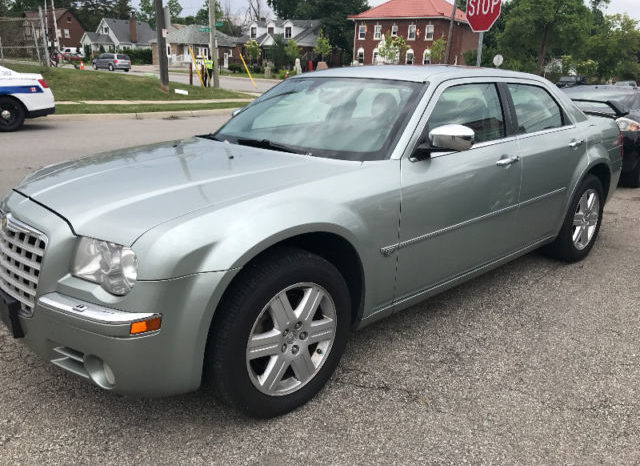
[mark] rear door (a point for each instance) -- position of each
(551, 147)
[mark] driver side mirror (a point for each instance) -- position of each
(237, 111)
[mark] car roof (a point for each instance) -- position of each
(419, 74)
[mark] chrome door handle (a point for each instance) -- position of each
(507, 161)
(576, 144)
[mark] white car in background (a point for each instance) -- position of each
(23, 95)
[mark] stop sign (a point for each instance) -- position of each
(481, 14)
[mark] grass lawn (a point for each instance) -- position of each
(75, 109)
(74, 85)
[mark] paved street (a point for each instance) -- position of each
(537, 362)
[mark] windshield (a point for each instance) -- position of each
(348, 119)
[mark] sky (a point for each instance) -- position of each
(191, 7)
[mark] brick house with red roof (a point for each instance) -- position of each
(419, 22)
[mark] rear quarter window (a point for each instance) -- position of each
(536, 110)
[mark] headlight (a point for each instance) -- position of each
(112, 266)
(625, 124)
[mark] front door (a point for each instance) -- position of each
(459, 208)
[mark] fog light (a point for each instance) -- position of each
(143, 326)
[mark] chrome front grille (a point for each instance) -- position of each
(21, 252)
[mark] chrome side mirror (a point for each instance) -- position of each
(237, 111)
(452, 137)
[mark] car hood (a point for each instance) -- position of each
(118, 196)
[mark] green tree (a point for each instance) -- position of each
(122, 9)
(323, 46)
(147, 12)
(587, 68)
(392, 49)
(202, 17)
(615, 47)
(437, 50)
(292, 51)
(535, 27)
(174, 9)
(253, 50)
(277, 52)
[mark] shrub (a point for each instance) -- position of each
(139, 56)
(236, 67)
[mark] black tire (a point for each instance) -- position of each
(111, 67)
(95, 66)
(226, 366)
(126, 70)
(12, 114)
(564, 247)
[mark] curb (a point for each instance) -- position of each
(141, 116)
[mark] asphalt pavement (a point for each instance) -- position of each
(537, 362)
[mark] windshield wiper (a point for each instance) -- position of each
(266, 144)
(211, 136)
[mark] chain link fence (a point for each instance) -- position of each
(23, 39)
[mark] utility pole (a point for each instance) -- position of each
(213, 44)
(453, 17)
(55, 41)
(162, 46)
(45, 41)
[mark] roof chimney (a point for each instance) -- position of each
(133, 32)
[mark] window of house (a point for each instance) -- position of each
(474, 105)
(287, 32)
(428, 32)
(376, 54)
(361, 55)
(168, 50)
(254, 32)
(412, 32)
(66, 34)
(362, 32)
(394, 30)
(105, 30)
(377, 32)
(270, 30)
(426, 57)
(410, 57)
(535, 108)
(27, 31)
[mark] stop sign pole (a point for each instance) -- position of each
(482, 14)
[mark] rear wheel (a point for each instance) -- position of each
(279, 333)
(582, 223)
(126, 70)
(12, 114)
(110, 67)
(95, 66)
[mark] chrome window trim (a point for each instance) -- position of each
(409, 139)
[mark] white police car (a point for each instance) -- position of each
(23, 95)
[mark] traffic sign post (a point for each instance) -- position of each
(482, 14)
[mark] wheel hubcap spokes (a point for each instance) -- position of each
(291, 339)
(6, 114)
(585, 220)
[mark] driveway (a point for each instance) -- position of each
(537, 362)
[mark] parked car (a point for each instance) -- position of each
(333, 200)
(627, 84)
(571, 81)
(72, 56)
(23, 95)
(623, 105)
(112, 62)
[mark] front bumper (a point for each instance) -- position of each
(78, 326)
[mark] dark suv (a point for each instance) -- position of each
(112, 62)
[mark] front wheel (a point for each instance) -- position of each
(582, 223)
(111, 67)
(279, 333)
(95, 67)
(12, 114)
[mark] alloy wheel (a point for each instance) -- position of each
(291, 339)
(585, 219)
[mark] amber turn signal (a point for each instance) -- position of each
(143, 326)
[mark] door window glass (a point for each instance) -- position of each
(535, 109)
(476, 106)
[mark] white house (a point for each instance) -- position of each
(117, 34)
